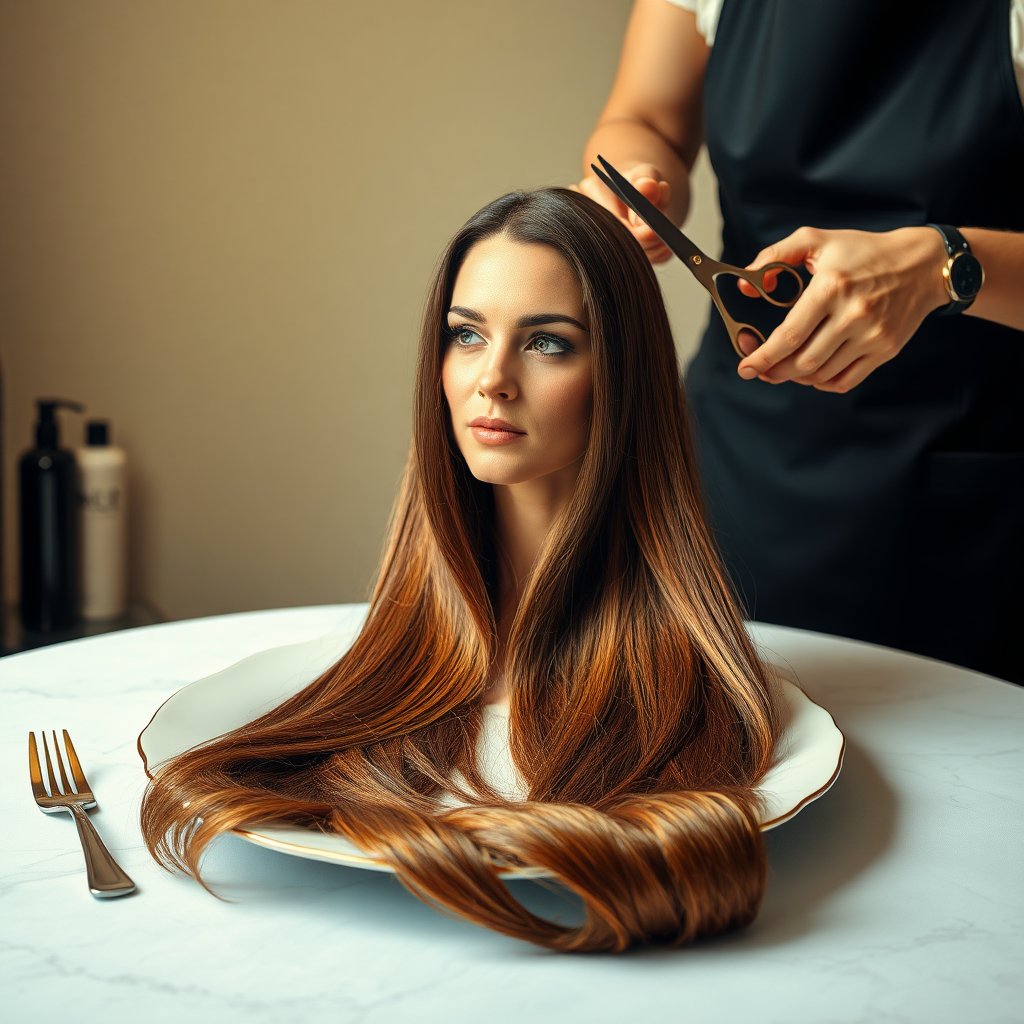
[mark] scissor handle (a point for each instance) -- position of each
(734, 327)
(756, 278)
(706, 271)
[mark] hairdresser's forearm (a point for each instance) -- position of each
(1002, 257)
(627, 143)
(651, 127)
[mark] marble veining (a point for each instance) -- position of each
(897, 897)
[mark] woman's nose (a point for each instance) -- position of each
(497, 379)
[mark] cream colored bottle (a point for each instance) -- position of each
(104, 570)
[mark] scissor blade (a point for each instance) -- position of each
(647, 212)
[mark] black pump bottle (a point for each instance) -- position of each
(48, 481)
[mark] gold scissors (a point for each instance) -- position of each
(705, 269)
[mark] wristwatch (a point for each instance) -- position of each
(963, 274)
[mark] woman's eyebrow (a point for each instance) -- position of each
(536, 319)
(469, 314)
(533, 320)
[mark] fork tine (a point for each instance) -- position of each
(34, 771)
(60, 764)
(54, 788)
(81, 783)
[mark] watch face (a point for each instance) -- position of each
(965, 275)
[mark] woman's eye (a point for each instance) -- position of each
(550, 346)
(464, 337)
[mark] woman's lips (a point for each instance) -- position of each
(494, 432)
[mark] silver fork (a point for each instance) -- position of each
(105, 876)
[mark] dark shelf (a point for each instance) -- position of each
(140, 613)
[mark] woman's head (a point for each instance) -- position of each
(541, 308)
(640, 715)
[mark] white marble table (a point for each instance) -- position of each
(896, 897)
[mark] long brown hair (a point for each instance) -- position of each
(640, 714)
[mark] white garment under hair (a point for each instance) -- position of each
(707, 12)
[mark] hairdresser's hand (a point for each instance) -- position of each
(869, 293)
(648, 180)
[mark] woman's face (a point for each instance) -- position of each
(517, 370)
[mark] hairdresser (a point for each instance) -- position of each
(864, 468)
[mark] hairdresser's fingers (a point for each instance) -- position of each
(846, 355)
(801, 248)
(851, 376)
(654, 191)
(650, 182)
(592, 187)
(646, 178)
(835, 344)
(640, 176)
(657, 192)
(656, 251)
(747, 342)
(802, 321)
(654, 248)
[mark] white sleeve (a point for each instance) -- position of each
(707, 12)
(1016, 43)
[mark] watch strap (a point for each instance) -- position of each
(955, 244)
(952, 239)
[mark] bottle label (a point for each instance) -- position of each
(102, 500)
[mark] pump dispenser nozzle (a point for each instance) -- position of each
(47, 429)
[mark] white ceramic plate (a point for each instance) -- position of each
(810, 753)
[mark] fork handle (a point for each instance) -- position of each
(105, 875)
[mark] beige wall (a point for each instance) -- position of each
(217, 221)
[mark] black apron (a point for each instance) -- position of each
(893, 513)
